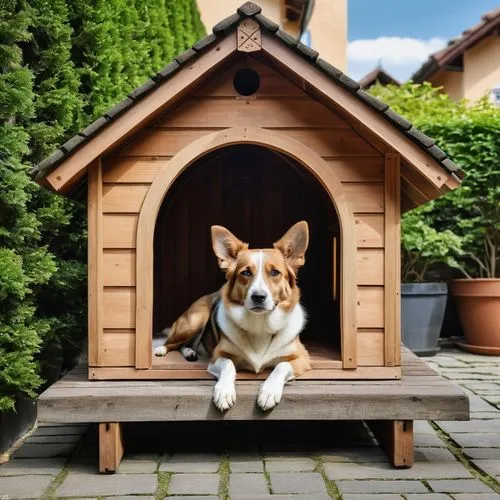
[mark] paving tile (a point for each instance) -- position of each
(380, 486)
(491, 467)
(372, 496)
(458, 486)
(44, 450)
(449, 362)
(422, 427)
(485, 414)
(477, 440)
(131, 497)
(246, 466)
(193, 484)
(471, 426)
(297, 465)
(421, 470)
(247, 485)
(428, 440)
(433, 455)
(493, 399)
(30, 486)
(427, 496)
(483, 386)
(480, 453)
(34, 466)
(182, 497)
(189, 463)
(305, 496)
(476, 496)
(301, 482)
(477, 403)
(128, 466)
(366, 454)
(79, 484)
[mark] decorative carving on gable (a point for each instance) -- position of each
(249, 36)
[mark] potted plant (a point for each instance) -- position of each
(423, 302)
(477, 297)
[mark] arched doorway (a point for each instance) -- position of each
(257, 193)
(279, 143)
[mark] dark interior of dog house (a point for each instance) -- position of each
(257, 193)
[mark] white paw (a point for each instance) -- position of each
(269, 395)
(161, 351)
(224, 395)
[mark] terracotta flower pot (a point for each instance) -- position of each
(478, 304)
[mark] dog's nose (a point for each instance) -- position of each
(258, 298)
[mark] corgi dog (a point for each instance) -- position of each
(253, 322)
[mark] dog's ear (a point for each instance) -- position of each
(226, 246)
(293, 245)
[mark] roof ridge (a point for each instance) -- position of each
(221, 29)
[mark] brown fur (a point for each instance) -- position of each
(234, 257)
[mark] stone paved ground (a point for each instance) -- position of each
(269, 460)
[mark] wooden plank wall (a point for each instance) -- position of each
(281, 106)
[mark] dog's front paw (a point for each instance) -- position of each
(161, 351)
(224, 395)
(269, 395)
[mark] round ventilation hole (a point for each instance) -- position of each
(246, 81)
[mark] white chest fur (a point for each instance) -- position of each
(260, 339)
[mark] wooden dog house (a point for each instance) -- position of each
(248, 129)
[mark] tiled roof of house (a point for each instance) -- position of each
(377, 75)
(220, 30)
(457, 46)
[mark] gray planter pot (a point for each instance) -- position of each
(15, 424)
(422, 314)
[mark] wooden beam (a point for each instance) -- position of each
(110, 446)
(392, 261)
(396, 439)
(356, 110)
(95, 263)
(137, 116)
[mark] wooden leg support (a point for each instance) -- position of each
(396, 439)
(110, 447)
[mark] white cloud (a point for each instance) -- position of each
(399, 56)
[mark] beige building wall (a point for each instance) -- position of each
(482, 67)
(328, 24)
(452, 83)
(328, 27)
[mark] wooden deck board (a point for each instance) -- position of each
(420, 394)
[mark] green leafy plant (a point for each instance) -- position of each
(423, 247)
(470, 134)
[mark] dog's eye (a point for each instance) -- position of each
(246, 273)
(274, 272)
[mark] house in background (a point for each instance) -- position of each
(469, 67)
(377, 75)
(320, 24)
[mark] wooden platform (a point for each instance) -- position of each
(326, 364)
(421, 394)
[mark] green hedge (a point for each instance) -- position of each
(470, 134)
(63, 64)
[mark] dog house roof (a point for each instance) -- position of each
(220, 31)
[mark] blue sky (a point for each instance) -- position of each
(402, 33)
